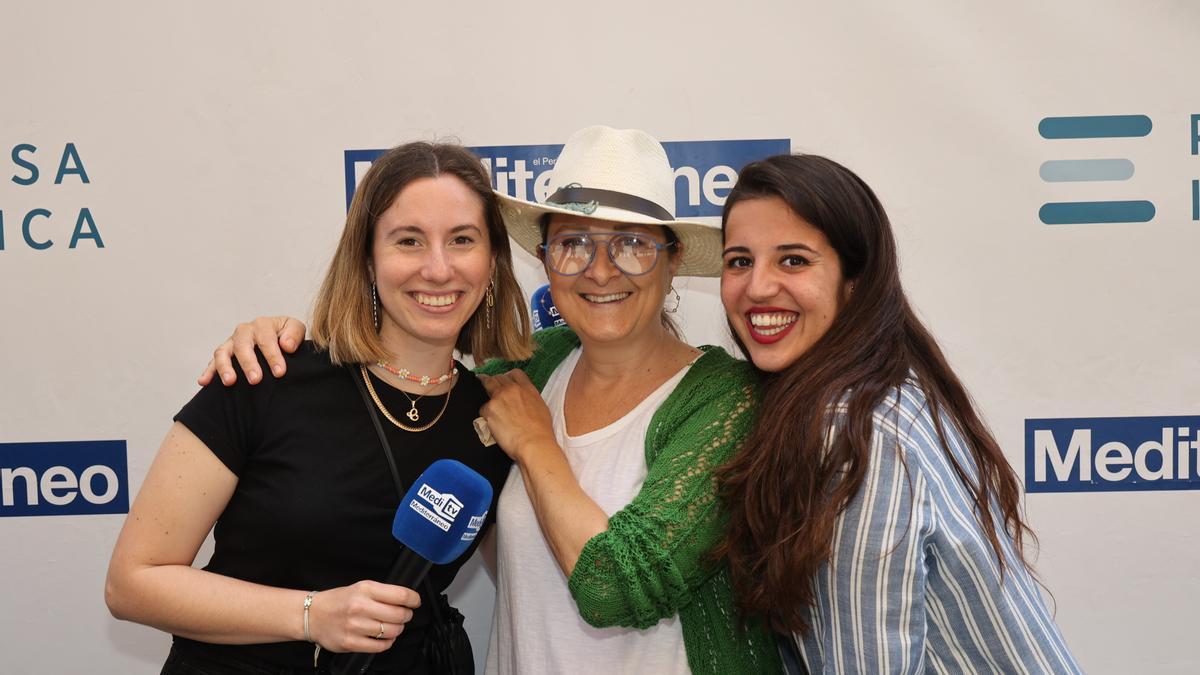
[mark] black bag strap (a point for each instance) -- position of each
(356, 374)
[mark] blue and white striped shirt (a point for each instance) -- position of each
(913, 584)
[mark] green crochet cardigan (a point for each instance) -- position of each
(652, 561)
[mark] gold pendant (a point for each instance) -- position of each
(412, 414)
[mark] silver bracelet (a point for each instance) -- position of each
(307, 603)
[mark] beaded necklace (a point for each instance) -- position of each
(423, 380)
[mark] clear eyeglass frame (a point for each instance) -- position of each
(637, 248)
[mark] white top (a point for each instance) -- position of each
(536, 627)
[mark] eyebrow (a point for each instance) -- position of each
(419, 230)
(781, 247)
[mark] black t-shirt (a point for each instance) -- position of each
(315, 499)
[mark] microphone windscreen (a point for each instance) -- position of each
(545, 314)
(443, 511)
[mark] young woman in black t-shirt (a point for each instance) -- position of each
(292, 475)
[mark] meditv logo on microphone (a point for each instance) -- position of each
(1112, 454)
(445, 507)
(64, 478)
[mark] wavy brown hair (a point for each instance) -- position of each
(787, 486)
(342, 321)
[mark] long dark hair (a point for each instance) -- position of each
(788, 484)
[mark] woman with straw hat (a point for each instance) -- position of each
(609, 520)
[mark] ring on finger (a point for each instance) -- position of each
(380, 635)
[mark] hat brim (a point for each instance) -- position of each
(701, 242)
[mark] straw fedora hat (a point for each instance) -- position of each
(621, 175)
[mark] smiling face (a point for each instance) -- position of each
(782, 281)
(602, 303)
(431, 260)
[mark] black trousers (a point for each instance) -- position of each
(187, 662)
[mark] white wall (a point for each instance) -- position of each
(212, 134)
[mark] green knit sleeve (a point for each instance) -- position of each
(644, 567)
(550, 347)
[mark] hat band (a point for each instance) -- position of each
(611, 199)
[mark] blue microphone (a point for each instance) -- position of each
(436, 522)
(443, 511)
(545, 314)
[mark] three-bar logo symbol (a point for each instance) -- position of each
(1093, 169)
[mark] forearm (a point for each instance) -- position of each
(205, 606)
(569, 518)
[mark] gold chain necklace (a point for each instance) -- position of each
(388, 415)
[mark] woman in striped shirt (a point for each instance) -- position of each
(874, 516)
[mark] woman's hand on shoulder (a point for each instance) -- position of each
(365, 617)
(269, 334)
(516, 414)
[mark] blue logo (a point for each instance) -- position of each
(64, 478)
(705, 171)
(1106, 169)
(1112, 454)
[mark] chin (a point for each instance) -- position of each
(770, 358)
(768, 363)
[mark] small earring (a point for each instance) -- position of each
(375, 307)
(490, 300)
(674, 307)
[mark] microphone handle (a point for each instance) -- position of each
(409, 570)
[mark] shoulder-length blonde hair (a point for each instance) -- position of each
(342, 321)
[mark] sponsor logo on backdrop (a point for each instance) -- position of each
(64, 478)
(1093, 131)
(439, 508)
(41, 228)
(705, 171)
(1112, 454)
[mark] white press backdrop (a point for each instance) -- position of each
(213, 135)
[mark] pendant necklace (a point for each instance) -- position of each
(413, 414)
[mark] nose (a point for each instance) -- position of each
(763, 284)
(602, 270)
(436, 268)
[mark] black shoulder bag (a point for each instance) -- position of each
(447, 647)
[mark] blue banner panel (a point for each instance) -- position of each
(63, 478)
(705, 171)
(1112, 454)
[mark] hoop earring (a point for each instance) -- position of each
(490, 301)
(375, 307)
(675, 307)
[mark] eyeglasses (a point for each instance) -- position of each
(571, 254)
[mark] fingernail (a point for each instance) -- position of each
(277, 370)
(227, 377)
(254, 375)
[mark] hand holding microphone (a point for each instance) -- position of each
(436, 522)
(362, 617)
